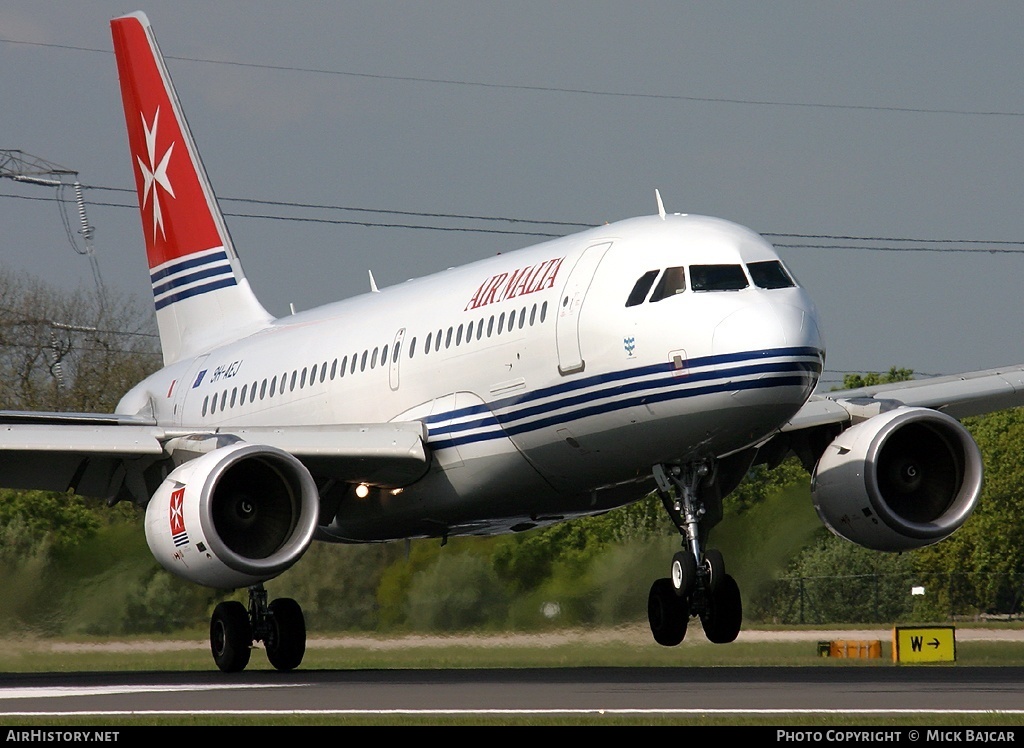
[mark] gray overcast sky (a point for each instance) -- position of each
(867, 119)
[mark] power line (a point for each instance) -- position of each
(341, 221)
(875, 248)
(384, 211)
(552, 89)
(395, 212)
(887, 239)
(828, 241)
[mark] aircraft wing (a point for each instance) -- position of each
(383, 454)
(81, 452)
(90, 453)
(957, 395)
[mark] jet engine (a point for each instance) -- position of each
(238, 515)
(900, 480)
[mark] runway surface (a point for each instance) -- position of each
(927, 690)
(539, 691)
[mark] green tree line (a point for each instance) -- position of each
(74, 566)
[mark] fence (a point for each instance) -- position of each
(883, 598)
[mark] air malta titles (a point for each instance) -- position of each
(502, 286)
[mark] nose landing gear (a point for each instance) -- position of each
(698, 584)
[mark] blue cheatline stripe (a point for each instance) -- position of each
(187, 263)
(615, 376)
(617, 404)
(650, 385)
(506, 419)
(195, 291)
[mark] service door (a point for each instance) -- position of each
(567, 323)
(396, 358)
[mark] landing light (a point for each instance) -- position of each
(362, 490)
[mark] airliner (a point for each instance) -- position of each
(665, 353)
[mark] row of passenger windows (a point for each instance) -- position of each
(671, 281)
(464, 334)
(495, 326)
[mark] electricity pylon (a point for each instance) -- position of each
(24, 167)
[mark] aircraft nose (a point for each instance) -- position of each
(768, 355)
(767, 326)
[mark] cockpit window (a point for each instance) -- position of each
(673, 281)
(717, 278)
(641, 287)
(770, 274)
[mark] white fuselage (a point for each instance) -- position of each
(545, 394)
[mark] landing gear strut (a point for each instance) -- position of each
(279, 625)
(697, 584)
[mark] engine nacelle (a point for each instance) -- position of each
(236, 516)
(900, 480)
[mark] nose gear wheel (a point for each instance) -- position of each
(667, 613)
(684, 573)
(697, 585)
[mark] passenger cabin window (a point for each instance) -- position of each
(770, 274)
(673, 281)
(717, 278)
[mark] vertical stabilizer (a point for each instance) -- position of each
(201, 295)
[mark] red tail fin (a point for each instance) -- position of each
(199, 289)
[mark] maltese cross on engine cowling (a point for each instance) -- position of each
(177, 518)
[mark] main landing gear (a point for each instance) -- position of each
(279, 625)
(698, 584)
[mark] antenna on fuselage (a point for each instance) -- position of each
(373, 283)
(661, 205)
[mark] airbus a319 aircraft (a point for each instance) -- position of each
(666, 353)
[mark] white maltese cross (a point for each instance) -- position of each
(153, 173)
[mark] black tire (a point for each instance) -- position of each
(684, 573)
(667, 613)
(230, 636)
(714, 567)
(724, 616)
(286, 645)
